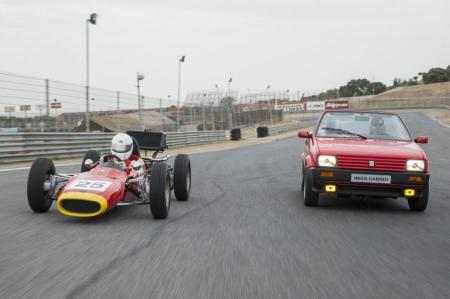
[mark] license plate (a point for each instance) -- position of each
(370, 178)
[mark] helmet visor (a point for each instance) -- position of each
(121, 148)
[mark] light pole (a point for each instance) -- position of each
(203, 112)
(219, 105)
(92, 20)
(229, 105)
(139, 78)
(118, 100)
(270, 103)
(180, 61)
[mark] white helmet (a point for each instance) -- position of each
(122, 146)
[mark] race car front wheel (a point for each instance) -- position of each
(182, 177)
(39, 198)
(159, 190)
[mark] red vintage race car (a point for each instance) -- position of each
(105, 182)
(364, 154)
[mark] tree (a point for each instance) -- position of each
(356, 87)
(435, 75)
(329, 94)
(397, 82)
(377, 87)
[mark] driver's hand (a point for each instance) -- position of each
(137, 168)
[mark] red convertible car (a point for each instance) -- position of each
(366, 154)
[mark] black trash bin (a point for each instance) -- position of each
(262, 132)
(235, 134)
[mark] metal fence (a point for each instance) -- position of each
(31, 104)
(24, 147)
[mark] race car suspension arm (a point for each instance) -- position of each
(54, 183)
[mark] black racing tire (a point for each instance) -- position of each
(419, 204)
(39, 200)
(90, 154)
(311, 198)
(302, 177)
(182, 177)
(160, 190)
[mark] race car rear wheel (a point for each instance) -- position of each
(159, 190)
(39, 198)
(310, 197)
(302, 177)
(90, 154)
(182, 177)
(421, 203)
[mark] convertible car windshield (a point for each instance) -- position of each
(363, 125)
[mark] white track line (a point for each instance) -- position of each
(28, 167)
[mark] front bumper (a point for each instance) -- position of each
(341, 179)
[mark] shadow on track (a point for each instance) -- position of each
(366, 204)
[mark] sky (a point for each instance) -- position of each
(290, 44)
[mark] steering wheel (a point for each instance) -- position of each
(112, 161)
(110, 157)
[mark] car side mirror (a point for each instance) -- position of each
(421, 139)
(304, 134)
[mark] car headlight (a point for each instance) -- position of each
(327, 161)
(415, 165)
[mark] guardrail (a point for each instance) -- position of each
(25, 147)
(292, 126)
(276, 130)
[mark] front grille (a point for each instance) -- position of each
(362, 163)
(80, 206)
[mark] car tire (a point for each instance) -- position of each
(39, 200)
(159, 190)
(419, 204)
(182, 177)
(90, 154)
(302, 177)
(311, 198)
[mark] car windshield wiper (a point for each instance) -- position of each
(342, 131)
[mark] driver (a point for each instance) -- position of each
(377, 126)
(122, 147)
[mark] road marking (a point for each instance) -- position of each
(28, 167)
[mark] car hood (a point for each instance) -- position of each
(370, 147)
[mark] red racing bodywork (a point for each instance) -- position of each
(92, 193)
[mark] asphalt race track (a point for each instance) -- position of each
(245, 233)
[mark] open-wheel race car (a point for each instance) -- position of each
(109, 180)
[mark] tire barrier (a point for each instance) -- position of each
(235, 134)
(262, 132)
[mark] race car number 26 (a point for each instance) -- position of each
(89, 185)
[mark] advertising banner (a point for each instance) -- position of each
(315, 106)
(291, 108)
(336, 105)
